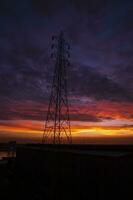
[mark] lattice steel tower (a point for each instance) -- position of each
(57, 126)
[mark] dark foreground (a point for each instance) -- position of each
(68, 172)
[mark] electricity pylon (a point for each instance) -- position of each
(57, 126)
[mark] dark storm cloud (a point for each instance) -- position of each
(124, 75)
(49, 7)
(87, 81)
(100, 36)
(15, 111)
(85, 118)
(25, 115)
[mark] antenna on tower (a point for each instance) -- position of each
(57, 126)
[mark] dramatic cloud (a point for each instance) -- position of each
(100, 76)
(86, 81)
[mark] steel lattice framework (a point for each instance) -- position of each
(57, 126)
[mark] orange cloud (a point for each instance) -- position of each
(96, 119)
(105, 109)
(102, 131)
(34, 129)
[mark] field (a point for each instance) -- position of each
(95, 172)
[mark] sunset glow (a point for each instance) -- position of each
(102, 119)
(99, 78)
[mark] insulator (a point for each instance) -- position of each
(53, 46)
(54, 37)
(68, 63)
(67, 45)
(68, 54)
(52, 55)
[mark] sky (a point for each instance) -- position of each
(100, 33)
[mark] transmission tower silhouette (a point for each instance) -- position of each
(57, 126)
